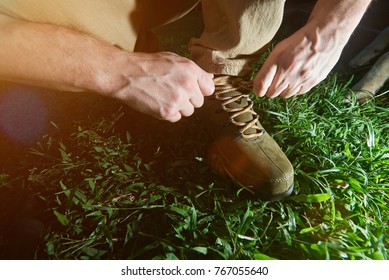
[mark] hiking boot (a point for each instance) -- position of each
(241, 147)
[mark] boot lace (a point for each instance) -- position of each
(224, 84)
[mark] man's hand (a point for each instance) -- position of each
(297, 64)
(301, 61)
(163, 85)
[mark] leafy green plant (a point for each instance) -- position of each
(113, 196)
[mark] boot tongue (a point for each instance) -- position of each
(241, 103)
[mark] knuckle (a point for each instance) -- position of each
(190, 63)
(178, 98)
(175, 97)
(174, 119)
(166, 113)
(186, 83)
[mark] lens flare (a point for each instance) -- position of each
(23, 115)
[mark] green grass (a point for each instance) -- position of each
(121, 187)
(152, 196)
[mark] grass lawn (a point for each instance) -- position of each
(124, 187)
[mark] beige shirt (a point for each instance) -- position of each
(116, 22)
(234, 36)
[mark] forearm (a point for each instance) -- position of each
(54, 57)
(337, 19)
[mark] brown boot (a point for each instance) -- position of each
(241, 148)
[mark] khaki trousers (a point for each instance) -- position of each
(235, 30)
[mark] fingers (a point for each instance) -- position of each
(197, 100)
(291, 69)
(289, 92)
(195, 90)
(277, 88)
(174, 118)
(206, 84)
(206, 87)
(186, 98)
(264, 79)
(187, 109)
(276, 83)
(180, 89)
(298, 90)
(271, 82)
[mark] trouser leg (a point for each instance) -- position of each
(235, 33)
(118, 22)
(156, 13)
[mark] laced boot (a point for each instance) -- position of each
(241, 147)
